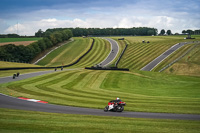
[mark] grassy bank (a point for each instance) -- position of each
(99, 52)
(68, 53)
(188, 65)
(4, 64)
(29, 121)
(139, 54)
(142, 91)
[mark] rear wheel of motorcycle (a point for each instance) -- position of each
(120, 108)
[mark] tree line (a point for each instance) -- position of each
(23, 53)
(191, 32)
(14, 36)
(141, 31)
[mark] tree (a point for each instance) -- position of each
(169, 32)
(197, 32)
(42, 44)
(190, 32)
(183, 31)
(40, 33)
(48, 42)
(162, 32)
(36, 48)
(47, 34)
(150, 32)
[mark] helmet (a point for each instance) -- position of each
(117, 98)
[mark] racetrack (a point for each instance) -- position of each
(14, 103)
(163, 56)
(113, 53)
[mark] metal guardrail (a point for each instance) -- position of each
(121, 55)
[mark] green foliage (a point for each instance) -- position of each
(108, 31)
(48, 42)
(9, 36)
(192, 32)
(40, 33)
(162, 32)
(169, 32)
(41, 45)
(36, 48)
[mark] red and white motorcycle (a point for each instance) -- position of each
(115, 105)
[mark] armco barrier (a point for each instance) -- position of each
(111, 68)
(121, 55)
(19, 68)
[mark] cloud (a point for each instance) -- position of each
(160, 14)
(3, 26)
(160, 22)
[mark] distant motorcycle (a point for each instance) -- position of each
(115, 105)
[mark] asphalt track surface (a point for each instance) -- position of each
(163, 56)
(113, 53)
(14, 103)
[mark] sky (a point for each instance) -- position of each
(25, 17)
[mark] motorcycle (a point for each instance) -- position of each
(115, 105)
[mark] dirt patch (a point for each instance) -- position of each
(25, 43)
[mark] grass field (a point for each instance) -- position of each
(68, 53)
(188, 65)
(2, 40)
(99, 52)
(14, 121)
(172, 57)
(139, 54)
(72, 51)
(4, 64)
(142, 91)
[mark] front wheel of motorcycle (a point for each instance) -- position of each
(106, 109)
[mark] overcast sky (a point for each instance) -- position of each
(26, 17)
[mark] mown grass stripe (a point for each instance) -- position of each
(96, 55)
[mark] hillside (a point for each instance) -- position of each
(188, 65)
(142, 91)
(139, 54)
(67, 53)
(99, 52)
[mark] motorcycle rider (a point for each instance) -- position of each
(117, 101)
